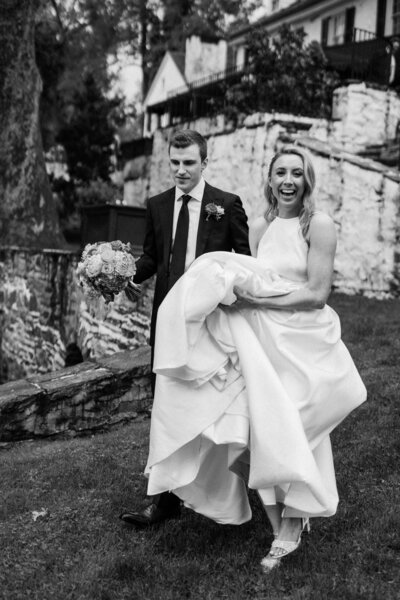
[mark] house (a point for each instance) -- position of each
(330, 22)
(337, 25)
(170, 76)
(176, 74)
(350, 32)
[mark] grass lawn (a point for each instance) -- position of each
(80, 550)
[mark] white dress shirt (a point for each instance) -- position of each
(194, 207)
(392, 68)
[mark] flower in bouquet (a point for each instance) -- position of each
(107, 269)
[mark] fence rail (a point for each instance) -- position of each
(216, 77)
(362, 35)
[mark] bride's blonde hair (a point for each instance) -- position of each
(308, 208)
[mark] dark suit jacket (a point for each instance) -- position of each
(229, 233)
(379, 68)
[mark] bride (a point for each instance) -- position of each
(252, 375)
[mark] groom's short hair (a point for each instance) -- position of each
(187, 137)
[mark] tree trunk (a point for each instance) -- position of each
(28, 215)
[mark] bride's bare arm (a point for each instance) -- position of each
(314, 294)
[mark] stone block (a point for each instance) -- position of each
(137, 361)
(18, 402)
(83, 397)
(18, 391)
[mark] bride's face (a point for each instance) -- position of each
(287, 184)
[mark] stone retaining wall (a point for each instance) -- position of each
(361, 117)
(360, 194)
(42, 310)
(89, 396)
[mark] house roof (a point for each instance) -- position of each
(179, 59)
(277, 16)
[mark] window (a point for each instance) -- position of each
(338, 29)
(338, 26)
(396, 16)
(241, 57)
(232, 56)
(275, 5)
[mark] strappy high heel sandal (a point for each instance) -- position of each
(281, 548)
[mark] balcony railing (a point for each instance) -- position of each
(350, 59)
(353, 59)
(217, 77)
(362, 35)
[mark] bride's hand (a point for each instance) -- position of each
(239, 303)
(244, 299)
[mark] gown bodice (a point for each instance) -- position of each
(283, 249)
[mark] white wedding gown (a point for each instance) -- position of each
(248, 396)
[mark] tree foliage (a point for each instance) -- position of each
(88, 135)
(85, 36)
(80, 39)
(73, 40)
(27, 212)
(208, 18)
(283, 74)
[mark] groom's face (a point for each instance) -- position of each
(186, 167)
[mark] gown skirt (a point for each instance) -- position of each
(246, 396)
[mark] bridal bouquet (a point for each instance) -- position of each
(106, 269)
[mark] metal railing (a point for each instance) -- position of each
(217, 77)
(362, 35)
(354, 59)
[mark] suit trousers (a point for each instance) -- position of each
(167, 501)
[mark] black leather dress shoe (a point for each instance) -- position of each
(151, 515)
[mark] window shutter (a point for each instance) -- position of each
(324, 31)
(380, 18)
(350, 16)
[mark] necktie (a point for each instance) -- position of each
(178, 258)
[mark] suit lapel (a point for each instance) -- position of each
(166, 214)
(203, 230)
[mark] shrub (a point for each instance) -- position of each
(98, 192)
(283, 74)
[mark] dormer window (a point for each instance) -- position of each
(275, 5)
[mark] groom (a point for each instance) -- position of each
(188, 220)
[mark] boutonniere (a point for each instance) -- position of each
(214, 210)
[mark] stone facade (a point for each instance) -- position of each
(362, 196)
(38, 296)
(43, 310)
(363, 116)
